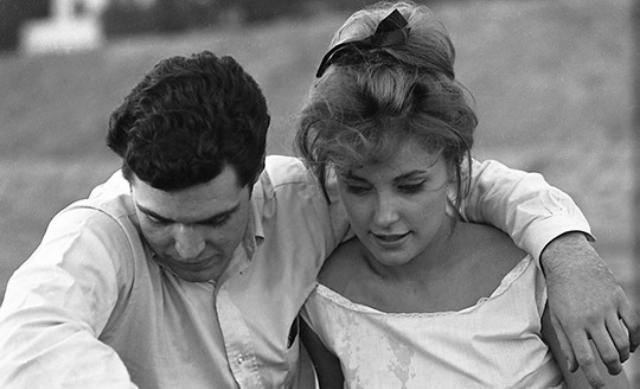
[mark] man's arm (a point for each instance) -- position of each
(584, 298)
(56, 305)
(521, 204)
(587, 304)
(577, 379)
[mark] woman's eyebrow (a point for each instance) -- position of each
(352, 176)
(414, 174)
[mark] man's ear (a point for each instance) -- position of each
(257, 176)
(130, 180)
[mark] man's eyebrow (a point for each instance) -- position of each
(153, 214)
(209, 220)
(216, 218)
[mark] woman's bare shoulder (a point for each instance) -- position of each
(485, 244)
(342, 265)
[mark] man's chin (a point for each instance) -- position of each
(196, 275)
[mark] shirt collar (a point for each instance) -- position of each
(262, 204)
(254, 234)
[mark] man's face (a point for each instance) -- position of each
(194, 231)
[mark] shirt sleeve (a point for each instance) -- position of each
(58, 302)
(521, 204)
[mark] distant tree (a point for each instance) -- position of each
(259, 10)
(128, 17)
(13, 13)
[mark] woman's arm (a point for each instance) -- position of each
(578, 379)
(326, 364)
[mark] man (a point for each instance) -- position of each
(188, 267)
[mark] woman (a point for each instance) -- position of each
(418, 298)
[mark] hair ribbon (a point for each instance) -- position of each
(391, 31)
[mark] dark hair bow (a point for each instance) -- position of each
(391, 31)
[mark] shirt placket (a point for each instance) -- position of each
(240, 350)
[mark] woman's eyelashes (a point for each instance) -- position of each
(357, 189)
(412, 188)
(405, 188)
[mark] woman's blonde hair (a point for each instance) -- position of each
(370, 100)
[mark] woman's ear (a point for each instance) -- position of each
(452, 173)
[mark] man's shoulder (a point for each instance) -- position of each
(116, 185)
(108, 203)
(285, 177)
(102, 218)
(285, 170)
(100, 226)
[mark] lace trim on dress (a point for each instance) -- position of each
(507, 281)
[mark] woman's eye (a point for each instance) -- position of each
(357, 190)
(411, 188)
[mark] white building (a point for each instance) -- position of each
(73, 25)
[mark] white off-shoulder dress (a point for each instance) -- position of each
(495, 343)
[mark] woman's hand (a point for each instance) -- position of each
(587, 304)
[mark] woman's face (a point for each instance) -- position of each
(397, 208)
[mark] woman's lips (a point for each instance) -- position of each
(390, 240)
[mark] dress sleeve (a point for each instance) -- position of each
(57, 304)
(521, 204)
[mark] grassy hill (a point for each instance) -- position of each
(551, 79)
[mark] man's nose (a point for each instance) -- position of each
(189, 243)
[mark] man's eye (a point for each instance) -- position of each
(219, 221)
(156, 221)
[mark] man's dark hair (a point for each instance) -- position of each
(188, 119)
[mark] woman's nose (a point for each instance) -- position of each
(386, 211)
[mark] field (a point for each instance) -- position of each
(551, 79)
